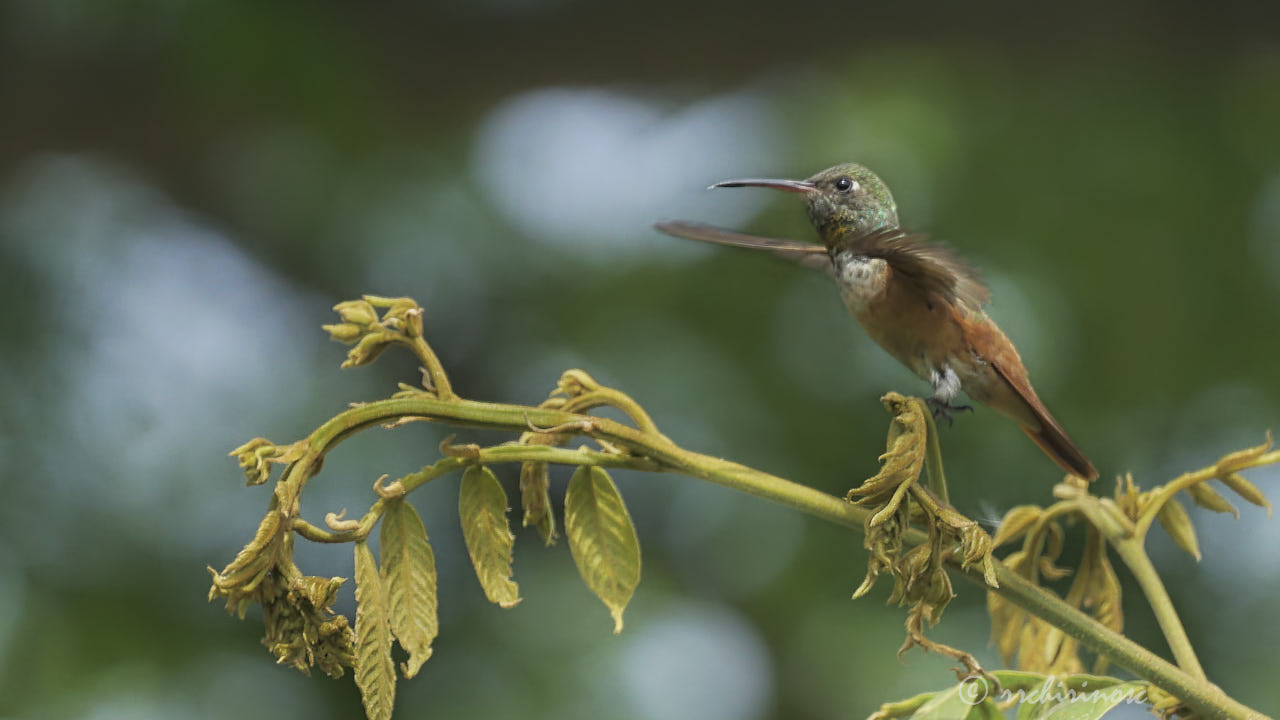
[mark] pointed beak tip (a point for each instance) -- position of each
(795, 186)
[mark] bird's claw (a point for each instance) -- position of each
(945, 410)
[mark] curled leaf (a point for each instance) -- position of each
(1052, 571)
(574, 383)
(467, 451)
(903, 458)
(1241, 459)
(301, 627)
(409, 576)
(375, 673)
(368, 349)
(356, 312)
(1128, 497)
(1015, 524)
(535, 497)
(602, 539)
(975, 549)
(890, 507)
(883, 544)
(345, 333)
(257, 456)
(240, 579)
(402, 314)
(482, 505)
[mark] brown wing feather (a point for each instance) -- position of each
(808, 254)
(935, 269)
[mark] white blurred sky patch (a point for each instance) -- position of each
(220, 686)
(696, 661)
(591, 170)
(1222, 419)
(728, 543)
(171, 336)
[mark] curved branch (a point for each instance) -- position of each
(656, 453)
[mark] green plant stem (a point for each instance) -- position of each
(1135, 556)
(651, 449)
(933, 457)
(432, 367)
(1129, 540)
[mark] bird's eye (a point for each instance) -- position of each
(845, 184)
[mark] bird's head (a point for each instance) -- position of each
(842, 200)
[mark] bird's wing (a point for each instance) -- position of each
(934, 268)
(810, 255)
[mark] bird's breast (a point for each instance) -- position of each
(920, 332)
(862, 279)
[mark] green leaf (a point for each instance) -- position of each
(409, 576)
(1031, 710)
(375, 672)
(1175, 521)
(482, 504)
(602, 539)
(956, 702)
(986, 710)
(1093, 704)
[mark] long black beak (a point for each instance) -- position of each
(795, 186)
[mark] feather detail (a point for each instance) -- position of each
(934, 269)
(811, 255)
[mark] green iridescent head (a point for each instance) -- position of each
(842, 200)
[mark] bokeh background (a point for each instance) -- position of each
(187, 187)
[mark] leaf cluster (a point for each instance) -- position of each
(396, 594)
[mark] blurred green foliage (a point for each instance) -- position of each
(187, 187)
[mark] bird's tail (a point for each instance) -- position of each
(1033, 417)
(1053, 440)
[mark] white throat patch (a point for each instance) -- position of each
(861, 279)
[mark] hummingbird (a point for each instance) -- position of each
(918, 300)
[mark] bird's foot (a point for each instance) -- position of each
(945, 410)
